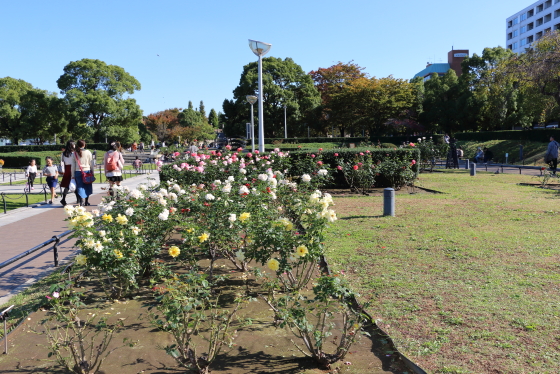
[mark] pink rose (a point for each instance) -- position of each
(355, 167)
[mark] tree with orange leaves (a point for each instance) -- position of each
(331, 81)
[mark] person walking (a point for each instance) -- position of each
(82, 161)
(51, 172)
(31, 174)
(66, 164)
(114, 164)
(551, 155)
(193, 148)
(137, 164)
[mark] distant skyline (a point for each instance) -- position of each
(192, 50)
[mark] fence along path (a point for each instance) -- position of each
(25, 228)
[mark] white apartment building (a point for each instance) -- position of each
(531, 23)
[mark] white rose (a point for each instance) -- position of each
(306, 178)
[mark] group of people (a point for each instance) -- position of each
(74, 162)
(483, 155)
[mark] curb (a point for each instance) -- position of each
(323, 264)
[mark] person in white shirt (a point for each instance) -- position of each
(83, 158)
(31, 173)
(66, 164)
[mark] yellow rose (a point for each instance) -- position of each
(273, 264)
(107, 218)
(118, 253)
(204, 237)
(174, 251)
(244, 216)
(301, 251)
(80, 259)
(121, 219)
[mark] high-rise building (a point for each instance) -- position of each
(454, 59)
(531, 23)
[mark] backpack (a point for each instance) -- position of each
(112, 162)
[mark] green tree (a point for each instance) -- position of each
(213, 118)
(202, 109)
(42, 115)
(11, 93)
(284, 83)
(490, 99)
(330, 81)
(96, 92)
(367, 104)
(440, 103)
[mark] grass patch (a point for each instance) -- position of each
(533, 152)
(31, 299)
(464, 281)
(16, 201)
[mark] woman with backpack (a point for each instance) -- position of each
(114, 164)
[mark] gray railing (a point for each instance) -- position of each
(55, 239)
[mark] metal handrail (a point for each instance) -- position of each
(55, 239)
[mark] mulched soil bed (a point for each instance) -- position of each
(259, 348)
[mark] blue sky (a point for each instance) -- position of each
(203, 45)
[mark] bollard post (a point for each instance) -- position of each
(4, 317)
(389, 202)
(473, 169)
(467, 164)
(55, 250)
(26, 199)
(4, 200)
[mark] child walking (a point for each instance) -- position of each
(31, 173)
(51, 172)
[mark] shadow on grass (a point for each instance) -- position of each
(357, 217)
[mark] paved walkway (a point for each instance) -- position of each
(24, 228)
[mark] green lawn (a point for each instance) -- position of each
(533, 152)
(14, 201)
(465, 281)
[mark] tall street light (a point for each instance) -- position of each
(260, 49)
(285, 124)
(251, 100)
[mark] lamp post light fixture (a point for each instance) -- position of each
(251, 100)
(260, 49)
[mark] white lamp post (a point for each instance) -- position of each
(285, 124)
(251, 100)
(260, 49)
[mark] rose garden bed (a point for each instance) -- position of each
(222, 271)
